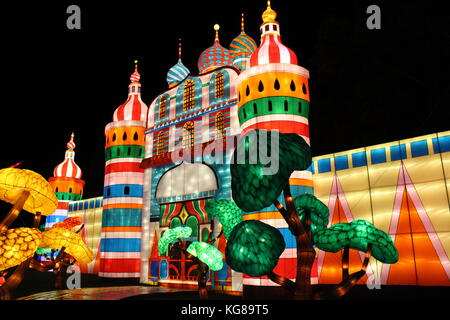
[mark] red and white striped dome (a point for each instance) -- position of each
(68, 168)
(134, 108)
(272, 50)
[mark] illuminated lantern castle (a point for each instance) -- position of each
(164, 162)
(196, 113)
(67, 184)
(122, 196)
(274, 95)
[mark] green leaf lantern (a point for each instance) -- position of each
(317, 210)
(207, 253)
(252, 190)
(254, 248)
(358, 234)
(227, 212)
(170, 235)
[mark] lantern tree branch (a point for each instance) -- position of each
(12, 215)
(282, 281)
(348, 283)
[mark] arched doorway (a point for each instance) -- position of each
(182, 193)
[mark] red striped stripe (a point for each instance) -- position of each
(274, 51)
(254, 57)
(285, 267)
(121, 110)
(136, 109)
(120, 265)
(283, 126)
(123, 167)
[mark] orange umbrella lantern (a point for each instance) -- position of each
(68, 223)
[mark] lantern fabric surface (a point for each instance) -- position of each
(254, 248)
(17, 245)
(13, 181)
(241, 48)
(171, 235)
(227, 212)
(206, 253)
(357, 234)
(123, 186)
(215, 56)
(252, 188)
(61, 237)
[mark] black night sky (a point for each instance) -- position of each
(367, 86)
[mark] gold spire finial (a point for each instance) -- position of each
(135, 65)
(72, 136)
(179, 48)
(217, 27)
(269, 15)
(242, 23)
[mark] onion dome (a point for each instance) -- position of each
(178, 72)
(241, 48)
(215, 56)
(134, 108)
(271, 49)
(68, 168)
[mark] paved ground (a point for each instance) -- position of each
(106, 293)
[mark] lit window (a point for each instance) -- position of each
(188, 100)
(160, 143)
(218, 86)
(162, 107)
(219, 126)
(188, 135)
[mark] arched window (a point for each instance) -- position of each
(192, 222)
(188, 135)
(160, 143)
(56, 189)
(124, 137)
(188, 98)
(175, 223)
(219, 126)
(70, 190)
(135, 137)
(218, 86)
(162, 107)
(126, 190)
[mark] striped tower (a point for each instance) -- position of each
(67, 184)
(274, 95)
(124, 179)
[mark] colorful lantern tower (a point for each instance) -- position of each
(241, 48)
(124, 179)
(178, 72)
(67, 184)
(273, 95)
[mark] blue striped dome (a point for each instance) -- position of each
(177, 73)
(241, 49)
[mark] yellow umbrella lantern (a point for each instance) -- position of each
(28, 190)
(19, 244)
(59, 238)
